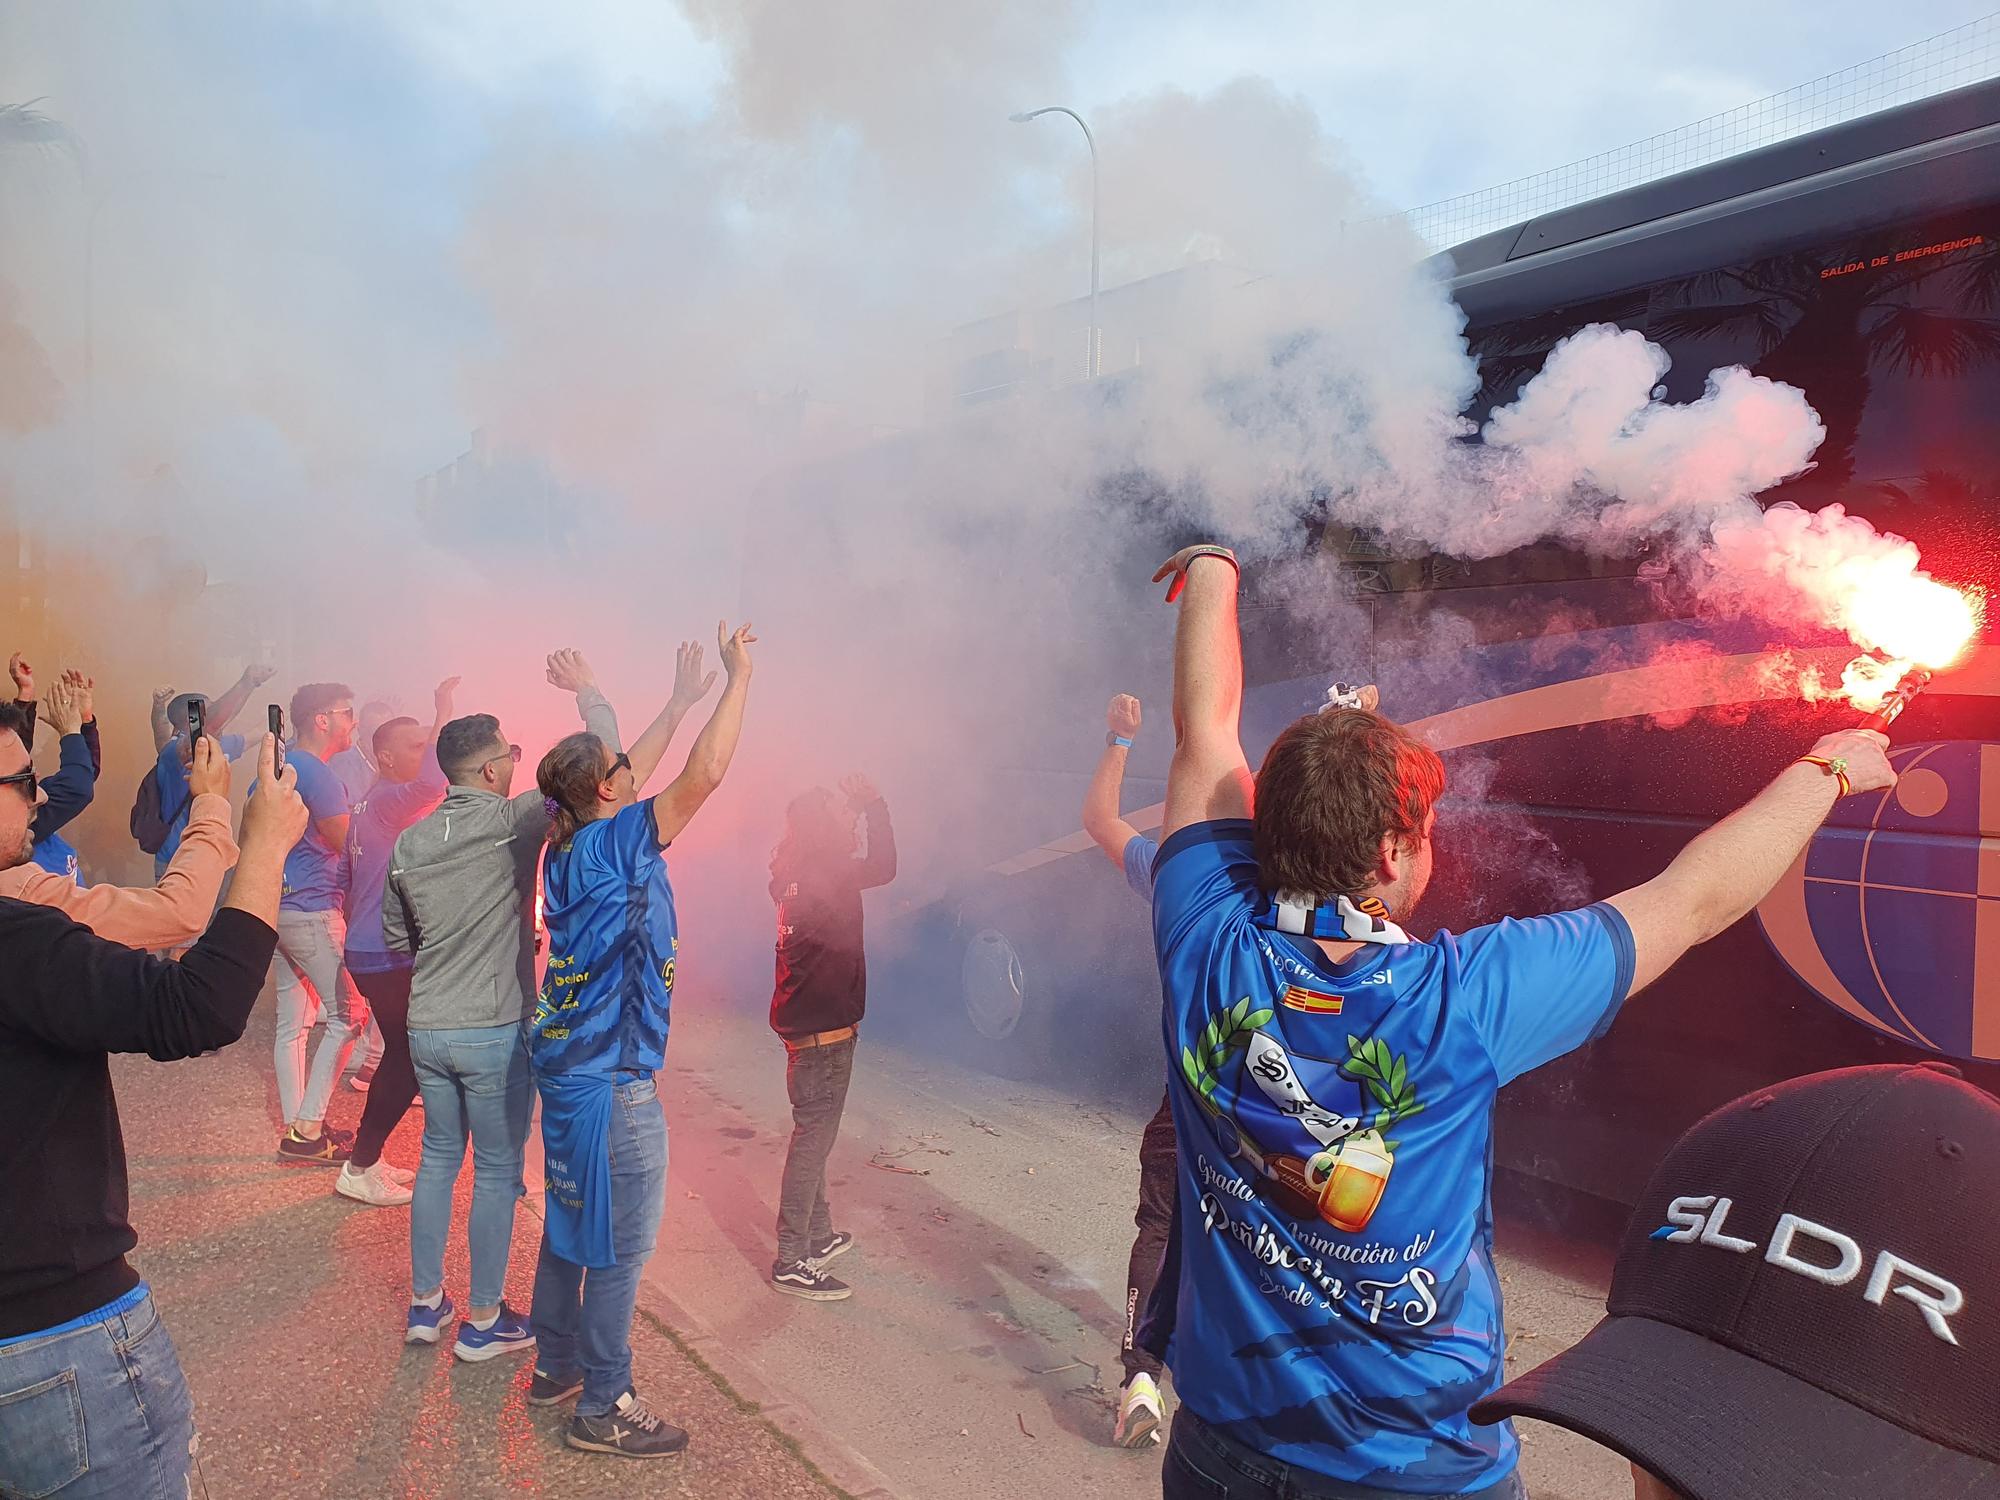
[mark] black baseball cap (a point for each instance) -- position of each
(1806, 1305)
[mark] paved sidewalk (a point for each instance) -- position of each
(287, 1304)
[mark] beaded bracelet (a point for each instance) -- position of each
(1836, 768)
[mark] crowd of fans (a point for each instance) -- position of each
(1800, 1308)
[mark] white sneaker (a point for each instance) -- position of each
(371, 1186)
(401, 1176)
(1140, 1411)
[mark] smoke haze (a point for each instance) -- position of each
(246, 304)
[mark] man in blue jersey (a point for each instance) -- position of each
(1141, 1408)
(313, 982)
(1337, 1311)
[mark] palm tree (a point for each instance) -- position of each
(1830, 335)
(25, 370)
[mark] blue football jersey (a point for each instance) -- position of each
(605, 1000)
(1338, 1306)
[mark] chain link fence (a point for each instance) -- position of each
(1966, 54)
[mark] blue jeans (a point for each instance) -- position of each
(102, 1410)
(583, 1318)
(1203, 1464)
(474, 1081)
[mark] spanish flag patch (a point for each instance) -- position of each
(1311, 1001)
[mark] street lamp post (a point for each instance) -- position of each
(1092, 359)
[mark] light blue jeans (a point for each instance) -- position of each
(583, 1318)
(475, 1082)
(313, 985)
(101, 1412)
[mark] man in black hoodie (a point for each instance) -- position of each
(92, 1399)
(817, 876)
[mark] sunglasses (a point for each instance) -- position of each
(512, 752)
(26, 779)
(619, 762)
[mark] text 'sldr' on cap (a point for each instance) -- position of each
(1806, 1304)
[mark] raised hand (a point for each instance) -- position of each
(162, 696)
(1863, 754)
(1176, 567)
(569, 671)
(734, 648)
(859, 791)
(275, 816)
(24, 677)
(63, 708)
(208, 772)
(1122, 716)
(442, 698)
(258, 673)
(86, 692)
(691, 685)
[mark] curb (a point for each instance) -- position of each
(838, 1463)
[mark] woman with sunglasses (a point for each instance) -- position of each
(598, 1036)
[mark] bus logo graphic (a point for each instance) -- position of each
(1893, 913)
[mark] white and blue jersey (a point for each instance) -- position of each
(1338, 1307)
(607, 998)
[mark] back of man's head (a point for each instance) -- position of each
(1331, 787)
(465, 745)
(1806, 1304)
(177, 711)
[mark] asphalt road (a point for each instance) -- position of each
(976, 1359)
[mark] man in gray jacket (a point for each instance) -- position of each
(460, 898)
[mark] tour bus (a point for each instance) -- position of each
(1592, 719)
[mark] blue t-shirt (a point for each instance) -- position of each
(605, 1001)
(175, 798)
(315, 871)
(58, 856)
(1140, 852)
(377, 817)
(1338, 1307)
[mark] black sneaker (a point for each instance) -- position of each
(835, 1244)
(326, 1149)
(552, 1390)
(804, 1279)
(630, 1430)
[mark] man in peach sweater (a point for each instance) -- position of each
(168, 915)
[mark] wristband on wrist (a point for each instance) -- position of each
(1836, 768)
(1115, 738)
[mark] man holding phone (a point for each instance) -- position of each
(170, 772)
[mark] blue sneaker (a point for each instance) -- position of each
(510, 1334)
(427, 1323)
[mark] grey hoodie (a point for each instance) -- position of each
(460, 898)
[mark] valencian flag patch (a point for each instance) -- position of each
(1311, 1001)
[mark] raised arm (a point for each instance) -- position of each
(24, 696)
(83, 993)
(175, 910)
(878, 865)
(690, 687)
(1209, 778)
(225, 709)
(163, 727)
(568, 670)
(1101, 799)
(715, 746)
(70, 789)
(1727, 869)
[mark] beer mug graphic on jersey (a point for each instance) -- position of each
(1351, 1178)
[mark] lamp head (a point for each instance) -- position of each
(1021, 118)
